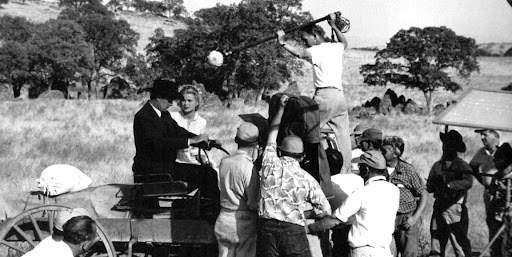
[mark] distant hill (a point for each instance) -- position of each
(144, 23)
(494, 49)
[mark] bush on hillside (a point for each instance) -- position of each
(153, 7)
(484, 52)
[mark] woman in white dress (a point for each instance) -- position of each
(189, 119)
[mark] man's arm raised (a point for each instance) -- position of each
(294, 50)
(337, 31)
(276, 121)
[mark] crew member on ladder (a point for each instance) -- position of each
(326, 58)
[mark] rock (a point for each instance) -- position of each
(399, 108)
(386, 104)
(392, 96)
(450, 103)
(411, 107)
(375, 102)
(52, 94)
(438, 109)
(507, 88)
(401, 100)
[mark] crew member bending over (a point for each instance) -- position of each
(326, 58)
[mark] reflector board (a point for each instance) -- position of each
(478, 108)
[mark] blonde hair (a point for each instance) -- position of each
(191, 89)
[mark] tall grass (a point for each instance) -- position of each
(96, 136)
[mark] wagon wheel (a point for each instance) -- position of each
(35, 224)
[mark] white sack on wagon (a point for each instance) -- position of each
(61, 178)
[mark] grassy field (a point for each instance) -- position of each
(96, 136)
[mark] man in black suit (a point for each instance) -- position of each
(157, 136)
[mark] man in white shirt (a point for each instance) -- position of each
(371, 210)
(54, 245)
(327, 61)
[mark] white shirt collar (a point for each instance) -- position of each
(158, 112)
(375, 179)
(183, 116)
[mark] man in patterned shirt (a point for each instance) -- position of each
(285, 189)
(413, 197)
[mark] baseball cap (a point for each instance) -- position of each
(358, 130)
(371, 134)
(65, 215)
(492, 131)
(247, 132)
(372, 158)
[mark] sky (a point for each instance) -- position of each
(373, 22)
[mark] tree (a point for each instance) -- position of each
(74, 4)
(45, 56)
(15, 32)
(61, 56)
(419, 58)
(3, 2)
(138, 70)
(112, 40)
(17, 29)
(223, 28)
(175, 7)
(15, 65)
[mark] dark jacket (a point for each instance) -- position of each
(450, 181)
(157, 141)
(301, 117)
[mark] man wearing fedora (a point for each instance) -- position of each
(285, 189)
(371, 210)
(450, 179)
(236, 224)
(157, 136)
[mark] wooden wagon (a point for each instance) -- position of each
(146, 219)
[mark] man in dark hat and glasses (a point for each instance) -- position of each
(157, 136)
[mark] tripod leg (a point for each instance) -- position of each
(492, 240)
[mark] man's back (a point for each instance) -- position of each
(238, 182)
(327, 64)
(285, 188)
(375, 206)
(50, 248)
